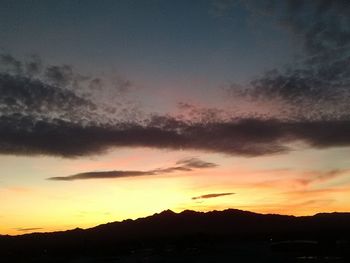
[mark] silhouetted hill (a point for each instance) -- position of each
(188, 229)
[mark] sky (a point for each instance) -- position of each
(112, 110)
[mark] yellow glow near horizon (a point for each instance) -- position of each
(265, 185)
(115, 200)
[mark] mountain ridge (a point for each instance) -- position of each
(170, 213)
(218, 231)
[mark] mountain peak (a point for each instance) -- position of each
(167, 212)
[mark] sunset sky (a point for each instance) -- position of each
(121, 109)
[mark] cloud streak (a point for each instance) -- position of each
(185, 165)
(21, 229)
(211, 196)
(322, 177)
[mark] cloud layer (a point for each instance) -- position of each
(248, 137)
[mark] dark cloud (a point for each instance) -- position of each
(317, 86)
(60, 76)
(32, 97)
(182, 166)
(10, 64)
(49, 115)
(28, 229)
(32, 88)
(195, 114)
(323, 25)
(307, 93)
(248, 137)
(211, 196)
(33, 66)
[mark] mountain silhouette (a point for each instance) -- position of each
(202, 232)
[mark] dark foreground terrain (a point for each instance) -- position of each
(225, 236)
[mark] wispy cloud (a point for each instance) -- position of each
(195, 163)
(319, 177)
(21, 229)
(206, 196)
(185, 165)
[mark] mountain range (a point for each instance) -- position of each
(174, 233)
